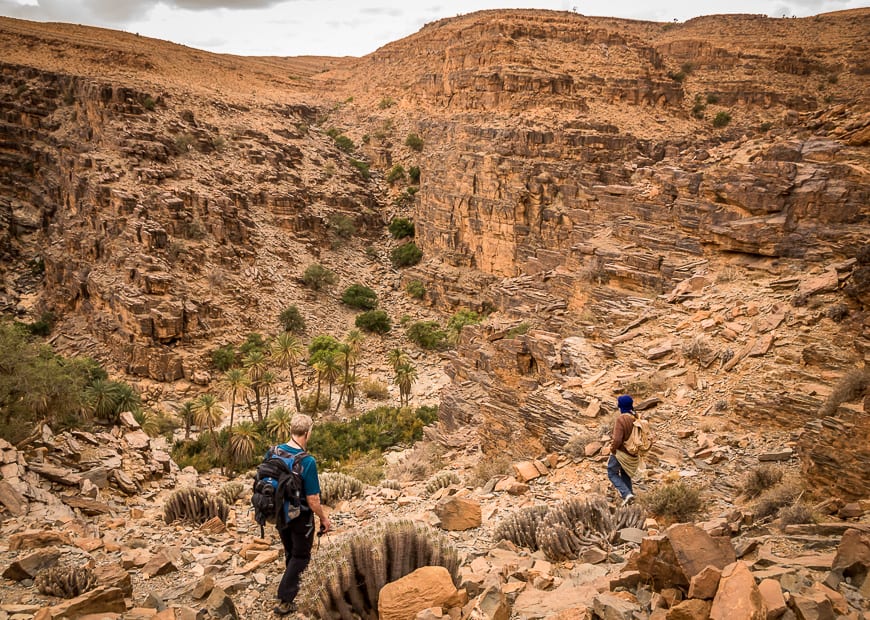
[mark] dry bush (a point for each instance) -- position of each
(759, 479)
(488, 467)
(798, 513)
(374, 389)
(576, 446)
(698, 349)
(420, 463)
(786, 493)
(852, 386)
(675, 502)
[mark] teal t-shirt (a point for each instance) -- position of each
(310, 480)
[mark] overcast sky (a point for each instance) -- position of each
(349, 27)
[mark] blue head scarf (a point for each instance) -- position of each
(625, 403)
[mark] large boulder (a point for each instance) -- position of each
(683, 551)
(403, 599)
(738, 597)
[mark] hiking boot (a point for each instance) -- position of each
(629, 499)
(284, 608)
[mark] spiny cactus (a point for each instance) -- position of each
(521, 527)
(565, 530)
(335, 487)
(441, 480)
(348, 575)
(231, 491)
(65, 581)
(389, 483)
(195, 505)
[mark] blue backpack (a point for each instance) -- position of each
(278, 485)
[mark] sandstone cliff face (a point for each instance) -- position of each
(572, 181)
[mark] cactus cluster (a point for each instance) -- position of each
(565, 530)
(195, 505)
(335, 487)
(231, 491)
(389, 483)
(441, 480)
(346, 577)
(65, 581)
(521, 526)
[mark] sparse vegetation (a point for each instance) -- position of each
(317, 277)
(794, 514)
(396, 173)
(376, 321)
(418, 464)
(518, 330)
(414, 174)
(406, 255)
(386, 102)
(773, 499)
(341, 141)
(342, 226)
(374, 389)
(148, 103)
(576, 446)
(414, 142)
(362, 167)
(459, 320)
(721, 119)
(712, 98)
(852, 386)
(401, 227)
(415, 289)
(224, 357)
(673, 501)
(759, 479)
(490, 466)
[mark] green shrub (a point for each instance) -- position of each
(427, 334)
(395, 173)
(722, 119)
(415, 289)
(317, 276)
(359, 296)
(673, 501)
(254, 343)
(311, 404)
(712, 98)
(414, 174)
(401, 227)
(362, 167)
(518, 330)
(386, 102)
(406, 255)
(291, 320)
(342, 226)
(414, 142)
(148, 103)
(323, 343)
(677, 76)
(374, 321)
(378, 429)
(184, 142)
(224, 357)
(344, 143)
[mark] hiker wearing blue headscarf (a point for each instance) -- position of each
(622, 465)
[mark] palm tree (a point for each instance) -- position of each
(127, 400)
(278, 424)
(242, 443)
(397, 357)
(102, 396)
(331, 371)
(255, 363)
(186, 414)
(267, 381)
(287, 351)
(235, 385)
(350, 388)
(354, 340)
(208, 413)
(406, 376)
(343, 358)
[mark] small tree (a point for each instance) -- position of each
(401, 227)
(406, 255)
(224, 357)
(427, 334)
(414, 142)
(359, 296)
(342, 226)
(414, 174)
(317, 276)
(415, 289)
(291, 320)
(374, 321)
